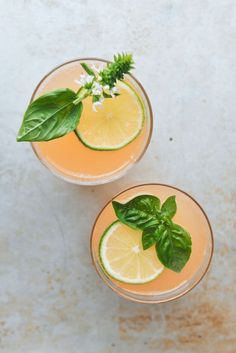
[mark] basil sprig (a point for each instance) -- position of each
(173, 243)
(57, 113)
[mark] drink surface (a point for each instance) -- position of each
(68, 156)
(189, 215)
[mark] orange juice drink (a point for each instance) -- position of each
(69, 157)
(167, 284)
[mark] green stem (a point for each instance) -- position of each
(81, 94)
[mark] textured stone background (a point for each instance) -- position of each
(51, 299)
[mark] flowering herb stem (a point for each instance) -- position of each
(81, 94)
(57, 113)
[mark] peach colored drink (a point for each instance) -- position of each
(68, 157)
(169, 284)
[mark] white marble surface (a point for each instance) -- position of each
(51, 299)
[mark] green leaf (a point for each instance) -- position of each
(88, 69)
(151, 235)
(169, 207)
(96, 99)
(174, 247)
(139, 213)
(50, 116)
(106, 95)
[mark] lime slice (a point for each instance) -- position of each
(123, 257)
(115, 124)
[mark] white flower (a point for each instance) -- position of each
(96, 89)
(97, 104)
(97, 69)
(84, 79)
(89, 78)
(113, 90)
(106, 87)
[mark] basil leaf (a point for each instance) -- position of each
(88, 69)
(174, 247)
(151, 235)
(148, 237)
(140, 212)
(169, 207)
(50, 116)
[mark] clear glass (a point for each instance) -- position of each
(67, 157)
(168, 285)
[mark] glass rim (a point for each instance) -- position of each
(187, 290)
(112, 177)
